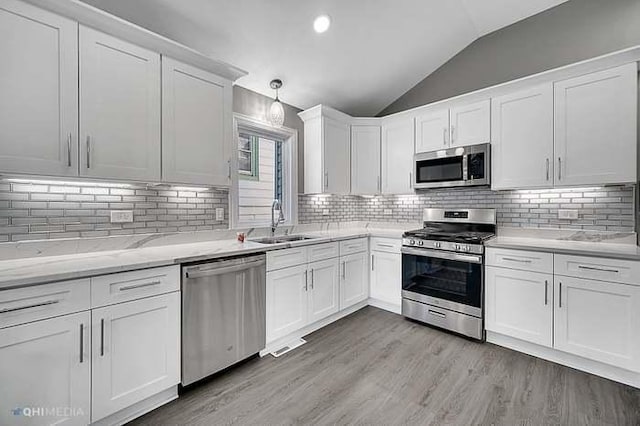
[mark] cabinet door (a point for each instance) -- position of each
(470, 124)
(46, 364)
(520, 304)
(136, 352)
(365, 160)
(337, 163)
(397, 155)
(432, 131)
(324, 285)
(39, 91)
(386, 277)
(595, 127)
(354, 284)
(522, 144)
(119, 108)
(598, 320)
(287, 302)
(196, 125)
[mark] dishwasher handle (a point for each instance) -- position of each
(218, 270)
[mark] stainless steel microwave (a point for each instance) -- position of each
(447, 168)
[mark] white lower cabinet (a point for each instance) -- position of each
(386, 276)
(598, 320)
(287, 301)
(520, 304)
(136, 352)
(323, 289)
(46, 365)
(354, 282)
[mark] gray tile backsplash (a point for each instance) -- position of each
(599, 209)
(48, 210)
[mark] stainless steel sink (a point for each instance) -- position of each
(281, 239)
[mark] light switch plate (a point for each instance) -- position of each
(325, 212)
(121, 216)
(387, 212)
(219, 213)
(567, 214)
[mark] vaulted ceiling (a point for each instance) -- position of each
(374, 51)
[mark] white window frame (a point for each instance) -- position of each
(289, 138)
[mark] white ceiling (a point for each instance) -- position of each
(374, 51)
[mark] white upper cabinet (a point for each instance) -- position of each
(327, 159)
(196, 125)
(38, 91)
(466, 124)
(596, 127)
(470, 123)
(598, 320)
(432, 131)
(119, 108)
(365, 160)
(397, 155)
(522, 144)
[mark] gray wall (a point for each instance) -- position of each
(255, 105)
(574, 31)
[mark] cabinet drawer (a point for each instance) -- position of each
(598, 268)
(125, 286)
(27, 304)
(322, 251)
(353, 246)
(520, 259)
(391, 245)
(279, 259)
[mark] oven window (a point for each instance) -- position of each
(439, 170)
(451, 280)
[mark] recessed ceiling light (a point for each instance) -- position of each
(322, 23)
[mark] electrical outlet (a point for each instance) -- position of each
(325, 212)
(567, 214)
(387, 212)
(121, 216)
(219, 213)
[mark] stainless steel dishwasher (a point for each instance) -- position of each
(223, 314)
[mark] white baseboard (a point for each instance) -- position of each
(599, 369)
(143, 407)
(281, 342)
(391, 307)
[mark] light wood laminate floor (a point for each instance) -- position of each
(375, 367)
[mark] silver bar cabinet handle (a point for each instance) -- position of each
(510, 259)
(344, 270)
(35, 305)
(546, 292)
(102, 337)
(69, 150)
(131, 287)
(312, 279)
(306, 280)
(560, 296)
(559, 168)
(81, 343)
(88, 152)
(372, 263)
(453, 133)
(326, 180)
(547, 169)
(592, 268)
(444, 136)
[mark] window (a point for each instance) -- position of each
(248, 156)
(267, 171)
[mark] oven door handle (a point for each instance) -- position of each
(442, 255)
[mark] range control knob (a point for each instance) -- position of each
(458, 247)
(412, 242)
(437, 244)
(420, 243)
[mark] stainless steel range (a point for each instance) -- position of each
(443, 269)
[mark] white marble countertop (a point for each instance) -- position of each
(45, 269)
(578, 248)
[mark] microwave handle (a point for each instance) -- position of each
(465, 167)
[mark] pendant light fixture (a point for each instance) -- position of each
(276, 112)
